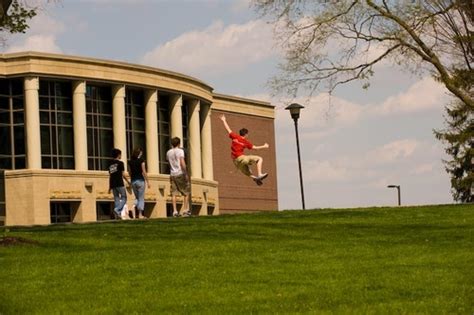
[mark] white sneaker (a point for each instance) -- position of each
(124, 213)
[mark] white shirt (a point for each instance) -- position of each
(173, 156)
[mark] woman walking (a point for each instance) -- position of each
(138, 176)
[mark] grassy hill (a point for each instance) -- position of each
(357, 261)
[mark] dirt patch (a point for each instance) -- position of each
(14, 241)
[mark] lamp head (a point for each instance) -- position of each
(294, 110)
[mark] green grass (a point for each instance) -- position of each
(358, 261)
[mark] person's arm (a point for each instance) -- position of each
(125, 177)
(144, 174)
(225, 124)
(182, 162)
(258, 147)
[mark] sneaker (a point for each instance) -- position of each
(117, 216)
(124, 213)
(263, 176)
(258, 181)
(187, 213)
(176, 214)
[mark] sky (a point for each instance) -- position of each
(353, 143)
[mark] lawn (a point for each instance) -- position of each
(358, 261)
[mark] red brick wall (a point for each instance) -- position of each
(237, 192)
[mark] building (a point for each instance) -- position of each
(60, 116)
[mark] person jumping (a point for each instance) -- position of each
(242, 161)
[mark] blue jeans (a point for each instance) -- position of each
(138, 187)
(120, 198)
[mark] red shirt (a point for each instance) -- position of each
(239, 143)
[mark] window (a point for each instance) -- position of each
(100, 136)
(163, 130)
(61, 212)
(135, 120)
(104, 210)
(12, 125)
(56, 126)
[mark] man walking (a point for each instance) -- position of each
(179, 178)
(242, 161)
(116, 185)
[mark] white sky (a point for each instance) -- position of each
(353, 144)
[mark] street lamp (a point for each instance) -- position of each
(398, 188)
(295, 114)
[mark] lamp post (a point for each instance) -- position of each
(398, 188)
(295, 114)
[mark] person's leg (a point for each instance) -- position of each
(135, 188)
(117, 203)
(175, 211)
(140, 195)
(174, 192)
(259, 166)
(186, 205)
(120, 199)
(185, 188)
(123, 199)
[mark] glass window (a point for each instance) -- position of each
(4, 103)
(20, 163)
(5, 140)
(17, 102)
(135, 119)
(19, 146)
(163, 130)
(45, 140)
(56, 124)
(4, 117)
(60, 212)
(5, 163)
(12, 129)
(18, 117)
(4, 87)
(99, 125)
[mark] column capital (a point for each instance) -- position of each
(151, 96)
(118, 91)
(195, 105)
(79, 87)
(31, 83)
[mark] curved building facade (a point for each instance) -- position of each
(60, 116)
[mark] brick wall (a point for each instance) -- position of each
(237, 192)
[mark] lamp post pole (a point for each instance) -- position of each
(295, 114)
(398, 189)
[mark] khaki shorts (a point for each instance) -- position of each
(244, 161)
(179, 185)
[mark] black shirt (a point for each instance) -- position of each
(135, 167)
(116, 168)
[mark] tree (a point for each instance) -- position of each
(419, 35)
(14, 16)
(459, 136)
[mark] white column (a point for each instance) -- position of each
(206, 140)
(80, 127)
(176, 117)
(151, 125)
(33, 138)
(118, 114)
(195, 139)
